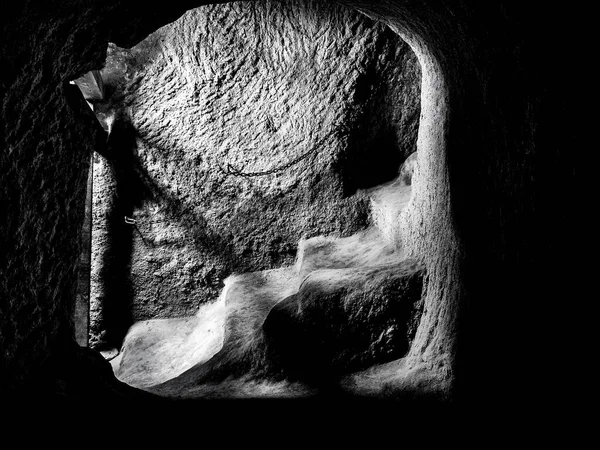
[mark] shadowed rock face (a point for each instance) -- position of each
(319, 102)
(342, 321)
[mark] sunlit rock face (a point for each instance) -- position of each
(234, 132)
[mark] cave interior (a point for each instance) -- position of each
(299, 203)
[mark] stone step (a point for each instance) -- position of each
(248, 299)
(225, 339)
(158, 350)
(346, 319)
(220, 337)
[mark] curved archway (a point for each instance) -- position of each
(426, 225)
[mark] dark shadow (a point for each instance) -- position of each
(133, 188)
(377, 138)
(145, 188)
(115, 275)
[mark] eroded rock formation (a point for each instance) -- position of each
(234, 132)
(344, 321)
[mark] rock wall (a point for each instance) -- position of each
(45, 122)
(510, 141)
(236, 131)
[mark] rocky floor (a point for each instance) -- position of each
(293, 331)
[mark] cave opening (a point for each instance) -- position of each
(146, 184)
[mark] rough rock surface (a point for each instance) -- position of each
(343, 320)
(32, 228)
(323, 99)
(346, 304)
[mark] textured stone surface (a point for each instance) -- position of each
(110, 273)
(343, 320)
(81, 314)
(244, 87)
(346, 304)
(41, 218)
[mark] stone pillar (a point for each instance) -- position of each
(102, 283)
(82, 303)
